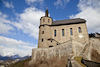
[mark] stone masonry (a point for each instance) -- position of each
(70, 49)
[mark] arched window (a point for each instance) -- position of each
(42, 32)
(43, 20)
(62, 32)
(42, 40)
(71, 31)
(79, 29)
(48, 20)
(55, 33)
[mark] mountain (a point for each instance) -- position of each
(13, 57)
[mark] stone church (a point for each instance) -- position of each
(53, 33)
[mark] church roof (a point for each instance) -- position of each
(69, 21)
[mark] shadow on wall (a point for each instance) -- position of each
(86, 63)
(95, 56)
(90, 63)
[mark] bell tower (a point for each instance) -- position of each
(44, 30)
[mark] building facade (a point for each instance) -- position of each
(53, 33)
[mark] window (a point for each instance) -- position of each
(79, 29)
(71, 31)
(42, 32)
(50, 46)
(42, 40)
(55, 33)
(62, 32)
(48, 20)
(51, 40)
(43, 20)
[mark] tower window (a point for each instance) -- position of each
(62, 32)
(71, 31)
(42, 32)
(50, 46)
(48, 20)
(79, 29)
(43, 20)
(55, 33)
(42, 40)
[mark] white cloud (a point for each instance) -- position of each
(5, 26)
(29, 21)
(8, 4)
(9, 46)
(89, 10)
(33, 1)
(61, 3)
(28, 25)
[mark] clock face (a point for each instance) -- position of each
(80, 36)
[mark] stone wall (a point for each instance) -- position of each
(80, 37)
(45, 36)
(70, 49)
(61, 50)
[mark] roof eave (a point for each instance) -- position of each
(67, 23)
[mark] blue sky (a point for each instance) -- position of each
(19, 21)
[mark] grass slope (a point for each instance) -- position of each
(23, 63)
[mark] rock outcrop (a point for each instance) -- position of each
(92, 50)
